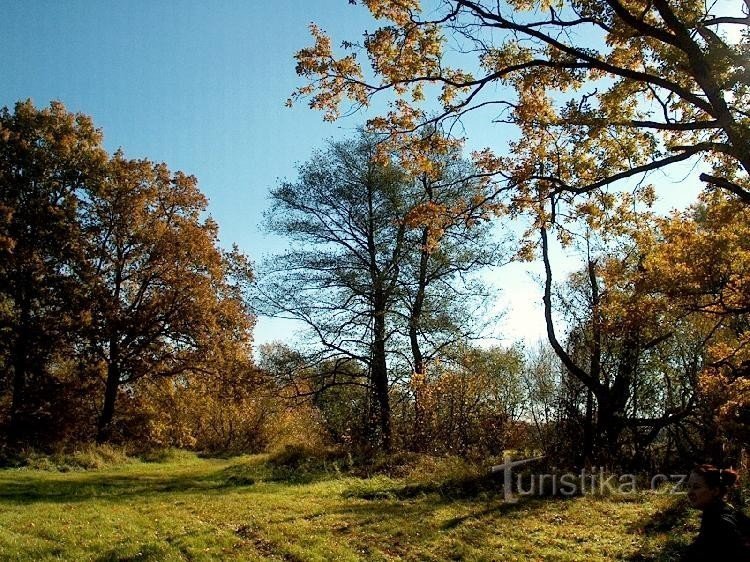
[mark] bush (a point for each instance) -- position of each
(90, 456)
(169, 454)
(395, 465)
(307, 458)
(87, 456)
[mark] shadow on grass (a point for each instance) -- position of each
(669, 522)
(397, 529)
(485, 486)
(32, 487)
(470, 487)
(248, 473)
(484, 490)
(104, 486)
(528, 505)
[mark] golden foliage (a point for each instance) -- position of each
(699, 259)
(658, 84)
(468, 404)
(336, 78)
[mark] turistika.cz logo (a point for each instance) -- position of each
(592, 481)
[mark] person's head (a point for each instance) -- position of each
(708, 484)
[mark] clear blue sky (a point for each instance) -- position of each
(201, 86)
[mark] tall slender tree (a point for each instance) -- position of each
(372, 276)
(342, 276)
(449, 241)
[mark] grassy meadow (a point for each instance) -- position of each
(182, 507)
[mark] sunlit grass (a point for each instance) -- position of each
(188, 508)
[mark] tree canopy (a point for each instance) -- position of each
(600, 91)
(48, 159)
(109, 273)
(598, 95)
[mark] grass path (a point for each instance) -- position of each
(237, 509)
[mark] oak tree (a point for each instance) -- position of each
(48, 159)
(600, 91)
(700, 261)
(161, 299)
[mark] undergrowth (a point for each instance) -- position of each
(87, 456)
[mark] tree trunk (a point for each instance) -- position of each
(415, 318)
(588, 430)
(20, 368)
(596, 363)
(380, 381)
(619, 394)
(104, 430)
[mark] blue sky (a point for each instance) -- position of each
(201, 86)
(198, 85)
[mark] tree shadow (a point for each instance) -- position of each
(76, 487)
(32, 487)
(484, 491)
(397, 528)
(529, 506)
(484, 487)
(664, 522)
(470, 487)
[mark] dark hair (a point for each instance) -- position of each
(715, 477)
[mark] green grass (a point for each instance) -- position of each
(187, 508)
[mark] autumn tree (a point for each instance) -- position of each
(681, 276)
(701, 263)
(109, 273)
(635, 352)
(372, 276)
(162, 303)
(48, 158)
(341, 277)
(655, 83)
